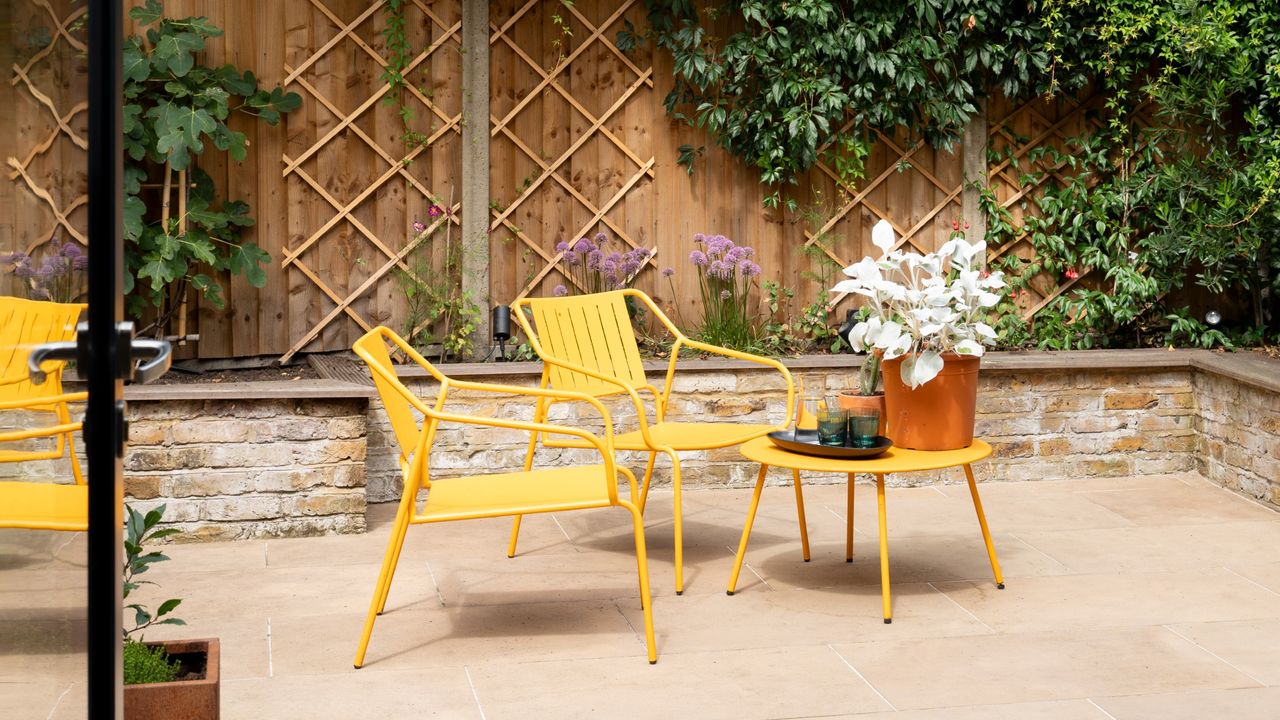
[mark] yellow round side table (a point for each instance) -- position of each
(895, 460)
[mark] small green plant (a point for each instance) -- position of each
(439, 311)
(142, 663)
(147, 664)
(139, 529)
(869, 375)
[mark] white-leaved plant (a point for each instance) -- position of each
(922, 305)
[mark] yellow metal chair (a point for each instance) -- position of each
(482, 496)
(33, 505)
(587, 345)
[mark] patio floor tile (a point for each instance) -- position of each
(1054, 710)
(1114, 600)
(413, 638)
(1127, 599)
(992, 669)
(435, 692)
(1243, 704)
(1251, 646)
(705, 685)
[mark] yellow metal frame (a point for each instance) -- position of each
(600, 358)
(508, 494)
(763, 451)
(30, 505)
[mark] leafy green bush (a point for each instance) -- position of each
(146, 664)
(139, 529)
(173, 107)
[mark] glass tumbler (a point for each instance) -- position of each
(832, 426)
(863, 424)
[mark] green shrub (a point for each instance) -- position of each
(147, 664)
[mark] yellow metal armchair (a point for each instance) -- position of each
(556, 489)
(588, 346)
(39, 505)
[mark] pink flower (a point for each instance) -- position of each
(419, 226)
(1071, 274)
(697, 257)
(966, 224)
(434, 211)
(955, 224)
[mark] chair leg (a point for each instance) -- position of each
(982, 522)
(884, 550)
(380, 590)
(804, 527)
(746, 530)
(642, 568)
(398, 539)
(64, 416)
(515, 536)
(648, 476)
(848, 523)
(678, 514)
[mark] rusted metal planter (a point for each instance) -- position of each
(196, 699)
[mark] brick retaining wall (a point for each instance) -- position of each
(303, 458)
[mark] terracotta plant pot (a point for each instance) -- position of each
(189, 699)
(850, 400)
(938, 415)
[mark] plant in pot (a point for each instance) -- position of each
(867, 396)
(176, 678)
(926, 316)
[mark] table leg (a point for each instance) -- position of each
(746, 530)
(848, 523)
(884, 549)
(804, 528)
(982, 522)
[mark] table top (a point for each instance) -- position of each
(894, 460)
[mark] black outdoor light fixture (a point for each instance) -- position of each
(502, 329)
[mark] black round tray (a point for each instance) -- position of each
(806, 442)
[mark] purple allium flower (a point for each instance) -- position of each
(434, 211)
(560, 291)
(593, 259)
(697, 257)
(571, 257)
(562, 246)
(699, 238)
(668, 272)
(749, 269)
(720, 270)
(719, 245)
(630, 266)
(80, 262)
(747, 252)
(734, 255)
(601, 238)
(419, 226)
(584, 246)
(725, 294)
(609, 268)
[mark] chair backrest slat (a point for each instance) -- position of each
(593, 331)
(23, 325)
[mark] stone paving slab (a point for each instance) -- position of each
(1128, 599)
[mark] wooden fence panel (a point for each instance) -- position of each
(43, 130)
(580, 143)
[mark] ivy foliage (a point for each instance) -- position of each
(174, 108)
(799, 78)
(1176, 184)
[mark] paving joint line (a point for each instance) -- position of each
(435, 585)
(965, 609)
(1215, 655)
(1033, 547)
(1101, 709)
(56, 703)
(271, 667)
(862, 677)
(1249, 579)
(747, 565)
(474, 695)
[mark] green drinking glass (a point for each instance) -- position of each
(863, 425)
(832, 426)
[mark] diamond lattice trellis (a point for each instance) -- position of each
(339, 208)
(48, 155)
(587, 108)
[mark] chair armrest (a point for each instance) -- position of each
(46, 400)
(30, 433)
(604, 446)
(737, 355)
